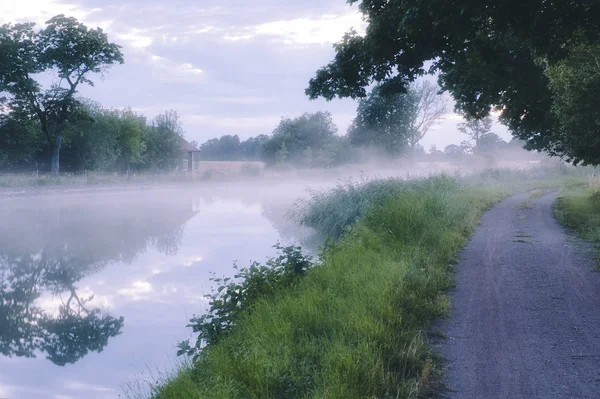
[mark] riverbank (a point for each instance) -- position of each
(578, 210)
(358, 323)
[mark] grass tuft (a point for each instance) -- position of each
(579, 210)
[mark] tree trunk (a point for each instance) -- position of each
(55, 161)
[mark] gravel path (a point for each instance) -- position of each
(525, 319)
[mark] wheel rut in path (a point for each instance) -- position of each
(525, 319)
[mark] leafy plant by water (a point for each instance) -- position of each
(234, 297)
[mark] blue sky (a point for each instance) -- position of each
(227, 67)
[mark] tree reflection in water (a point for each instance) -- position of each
(47, 249)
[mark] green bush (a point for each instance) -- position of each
(234, 297)
(579, 210)
(331, 212)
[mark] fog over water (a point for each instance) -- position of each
(145, 256)
(99, 283)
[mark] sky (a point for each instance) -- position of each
(226, 66)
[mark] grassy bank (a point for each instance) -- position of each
(356, 324)
(578, 208)
(206, 171)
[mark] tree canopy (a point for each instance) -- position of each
(106, 140)
(516, 57)
(383, 121)
(65, 47)
(396, 122)
(476, 129)
(305, 141)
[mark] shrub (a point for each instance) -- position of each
(236, 296)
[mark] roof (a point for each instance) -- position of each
(186, 146)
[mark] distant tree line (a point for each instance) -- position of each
(230, 148)
(481, 141)
(105, 139)
(389, 125)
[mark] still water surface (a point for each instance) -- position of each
(96, 289)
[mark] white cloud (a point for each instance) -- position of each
(236, 38)
(138, 290)
(167, 70)
(326, 29)
(303, 31)
(137, 38)
(37, 11)
(193, 261)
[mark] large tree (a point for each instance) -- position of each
(163, 140)
(384, 121)
(396, 122)
(489, 55)
(575, 83)
(430, 108)
(65, 47)
(305, 141)
(476, 129)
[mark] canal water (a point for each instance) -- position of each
(96, 288)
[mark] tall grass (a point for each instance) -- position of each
(355, 325)
(578, 208)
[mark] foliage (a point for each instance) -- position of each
(384, 121)
(106, 140)
(431, 106)
(251, 149)
(306, 141)
(225, 148)
(19, 142)
(475, 129)
(488, 56)
(435, 153)
(454, 151)
(396, 122)
(575, 83)
(330, 212)
(163, 138)
(64, 46)
(234, 298)
(579, 210)
(491, 142)
(230, 148)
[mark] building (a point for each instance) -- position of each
(190, 154)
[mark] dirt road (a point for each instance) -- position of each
(525, 317)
